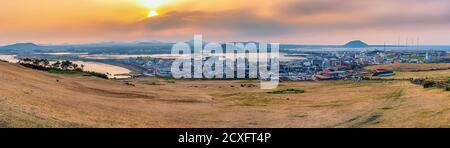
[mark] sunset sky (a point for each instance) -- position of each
(283, 21)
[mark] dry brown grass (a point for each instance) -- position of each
(432, 75)
(415, 71)
(35, 99)
(411, 67)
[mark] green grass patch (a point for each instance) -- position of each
(78, 73)
(67, 72)
(288, 91)
(167, 79)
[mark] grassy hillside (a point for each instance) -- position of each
(411, 67)
(30, 98)
(416, 71)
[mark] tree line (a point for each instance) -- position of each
(45, 65)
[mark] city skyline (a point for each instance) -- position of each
(285, 21)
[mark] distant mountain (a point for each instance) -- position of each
(21, 45)
(152, 47)
(246, 42)
(150, 42)
(356, 44)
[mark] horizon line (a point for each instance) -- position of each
(170, 42)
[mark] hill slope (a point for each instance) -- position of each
(356, 44)
(30, 98)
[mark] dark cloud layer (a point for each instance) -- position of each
(301, 16)
(357, 14)
(242, 22)
(314, 7)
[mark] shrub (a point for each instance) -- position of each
(130, 84)
(100, 75)
(248, 85)
(429, 84)
(432, 84)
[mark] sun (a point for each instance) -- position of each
(153, 6)
(153, 13)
